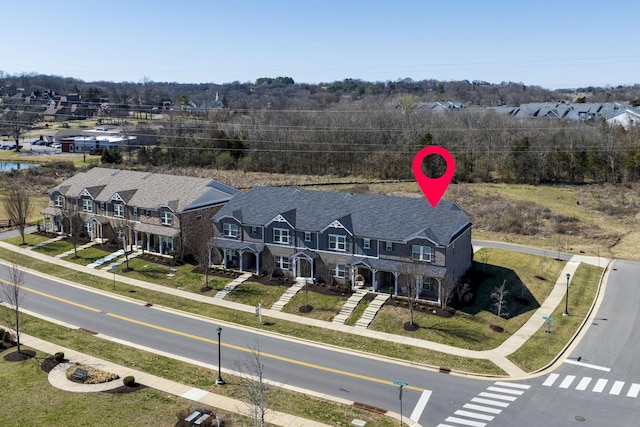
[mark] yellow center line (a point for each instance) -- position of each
(262, 354)
(210, 341)
(66, 301)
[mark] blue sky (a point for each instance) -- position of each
(553, 44)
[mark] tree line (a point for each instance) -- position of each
(379, 141)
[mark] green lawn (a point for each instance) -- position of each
(55, 248)
(252, 293)
(179, 277)
(30, 239)
(533, 354)
(325, 307)
(357, 312)
(32, 401)
(86, 256)
(470, 327)
(108, 407)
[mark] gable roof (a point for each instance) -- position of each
(147, 190)
(391, 218)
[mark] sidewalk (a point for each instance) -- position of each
(497, 355)
(58, 379)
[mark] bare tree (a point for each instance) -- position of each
(200, 238)
(448, 289)
(13, 294)
(123, 233)
(254, 387)
(17, 205)
(73, 223)
(499, 297)
(17, 118)
(413, 273)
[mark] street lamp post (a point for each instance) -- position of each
(219, 381)
(566, 298)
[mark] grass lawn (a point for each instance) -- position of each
(25, 385)
(281, 400)
(30, 239)
(357, 312)
(55, 248)
(87, 256)
(533, 355)
(325, 307)
(470, 327)
(179, 277)
(252, 293)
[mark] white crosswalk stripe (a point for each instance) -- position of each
(486, 406)
(616, 388)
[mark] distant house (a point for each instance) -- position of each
(154, 208)
(611, 112)
(378, 241)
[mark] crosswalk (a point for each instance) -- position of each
(486, 405)
(595, 385)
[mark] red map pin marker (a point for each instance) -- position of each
(433, 188)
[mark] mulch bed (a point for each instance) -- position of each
(48, 364)
(435, 310)
(14, 356)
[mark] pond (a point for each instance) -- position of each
(7, 166)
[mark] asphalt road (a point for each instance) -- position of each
(607, 352)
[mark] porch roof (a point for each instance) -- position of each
(156, 229)
(239, 246)
(397, 266)
(50, 210)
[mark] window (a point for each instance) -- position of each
(120, 233)
(199, 216)
(147, 213)
(366, 244)
(307, 236)
(87, 205)
(58, 201)
(341, 271)
(135, 212)
(422, 253)
(118, 210)
(230, 230)
(254, 230)
(281, 235)
(282, 262)
(166, 218)
(337, 242)
(389, 246)
(103, 206)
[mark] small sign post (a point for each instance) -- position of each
(113, 270)
(400, 385)
(547, 328)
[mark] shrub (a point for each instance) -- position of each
(129, 381)
(59, 356)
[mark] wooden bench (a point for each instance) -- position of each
(79, 374)
(192, 416)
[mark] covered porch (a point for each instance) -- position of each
(303, 264)
(155, 238)
(239, 255)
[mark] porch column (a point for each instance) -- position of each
(374, 281)
(148, 241)
(395, 284)
(224, 258)
(135, 239)
(257, 263)
(241, 255)
(353, 276)
(439, 291)
(311, 264)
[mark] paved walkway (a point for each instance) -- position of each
(232, 285)
(349, 306)
(372, 310)
(59, 380)
(286, 297)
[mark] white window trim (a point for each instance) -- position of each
(282, 232)
(135, 212)
(388, 246)
(366, 243)
(230, 230)
(339, 271)
(283, 263)
(166, 218)
(87, 205)
(339, 244)
(58, 201)
(118, 210)
(307, 236)
(424, 253)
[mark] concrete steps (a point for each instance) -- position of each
(371, 311)
(232, 285)
(286, 297)
(349, 306)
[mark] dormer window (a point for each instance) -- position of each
(118, 210)
(422, 253)
(166, 218)
(230, 230)
(87, 205)
(281, 235)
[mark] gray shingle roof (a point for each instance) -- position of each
(147, 190)
(374, 216)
